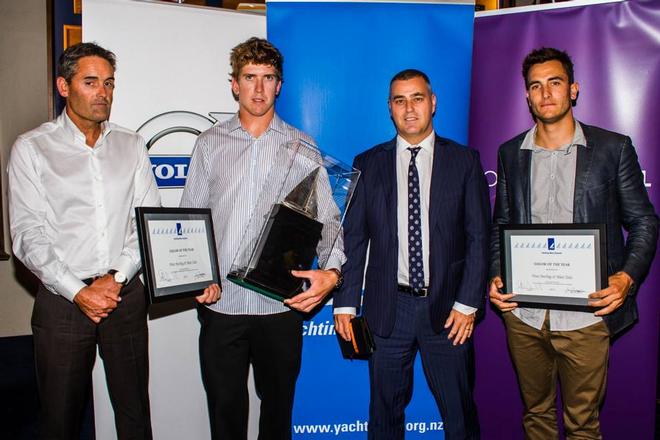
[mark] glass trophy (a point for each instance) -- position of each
(296, 222)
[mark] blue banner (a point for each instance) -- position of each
(339, 59)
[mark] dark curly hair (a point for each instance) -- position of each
(545, 54)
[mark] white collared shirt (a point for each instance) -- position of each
(71, 207)
(424, 164)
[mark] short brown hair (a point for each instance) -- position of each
(255, 51)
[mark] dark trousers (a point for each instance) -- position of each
(449, 372)
(227, 346)
(65, 350)
(578, 358)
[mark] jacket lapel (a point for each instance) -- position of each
(525, 162)
(441, 179)
(388, 180)
(582, 170)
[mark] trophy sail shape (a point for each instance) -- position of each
(302, 198)
(287, 242)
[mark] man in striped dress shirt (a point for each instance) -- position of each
(228, 170)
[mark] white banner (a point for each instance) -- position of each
(172, 71)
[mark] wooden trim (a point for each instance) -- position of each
(50, 62)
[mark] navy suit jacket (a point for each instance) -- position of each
(609, 189)
(459, 223)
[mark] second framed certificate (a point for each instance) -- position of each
(178, 251)
(553, 265)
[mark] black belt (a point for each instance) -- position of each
(424, 291)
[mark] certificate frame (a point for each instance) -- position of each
(597, 232)
(151, 261)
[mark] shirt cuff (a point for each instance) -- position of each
(344, 311)
(124, 265)
(462, 308)
(68, 286)
(335, 261)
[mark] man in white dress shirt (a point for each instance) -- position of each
(73, 185)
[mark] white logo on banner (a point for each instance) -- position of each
(491, 178)
(170, 138)
(324, 328)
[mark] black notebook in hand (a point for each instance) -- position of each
(361, 344)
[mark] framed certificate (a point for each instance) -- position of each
(553, 265)
(178, 251)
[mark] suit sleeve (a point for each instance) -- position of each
(500, 217)
(477, 229)
(638, 215)
(356, 241)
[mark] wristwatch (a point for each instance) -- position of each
(340, 278)
(119, 277)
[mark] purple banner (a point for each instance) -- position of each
(616, 51)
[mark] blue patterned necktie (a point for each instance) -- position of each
(415, 259)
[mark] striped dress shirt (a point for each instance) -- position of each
(229, 173)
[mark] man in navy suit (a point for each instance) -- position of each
(421, 209)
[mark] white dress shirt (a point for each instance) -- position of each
(424, 163)
(71, 207)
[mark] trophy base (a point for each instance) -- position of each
(255, 286)
(287, 242)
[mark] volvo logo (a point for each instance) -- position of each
(170, 171)
(170, 138)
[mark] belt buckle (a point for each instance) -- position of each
(421, 293)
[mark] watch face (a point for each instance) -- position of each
(120, 278)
